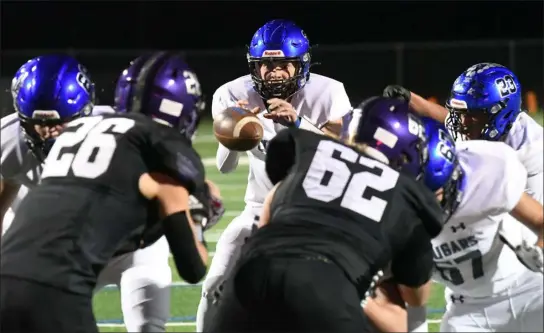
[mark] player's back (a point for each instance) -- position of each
(89, 202)
(343, 205)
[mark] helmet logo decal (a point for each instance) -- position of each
(45, 114)
(83, 80)
(273, 53)
(458, 104)
(170, 107)
(506, 85)
(387, 138)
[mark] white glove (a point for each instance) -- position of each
(531, 256)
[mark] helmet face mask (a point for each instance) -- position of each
(279, 45)
(484, 104)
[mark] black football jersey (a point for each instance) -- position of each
(88, 204)
(336, 202)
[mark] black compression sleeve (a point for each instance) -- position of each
(182, 244)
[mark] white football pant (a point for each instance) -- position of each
(517, 309)
(227, 253)
(144, 278)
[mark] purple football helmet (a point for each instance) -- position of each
(163, 87)
(392, 133)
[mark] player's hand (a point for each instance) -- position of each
(281, 112)
(531, 256)
(371, 292)
(217, 210)
(399, 92)
(245, 105)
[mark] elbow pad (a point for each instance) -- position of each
(180, 237)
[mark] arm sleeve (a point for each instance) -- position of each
(225, 159)
(280, 156)
(412, 266)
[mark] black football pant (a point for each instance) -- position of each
(27, 306)
(280, 294)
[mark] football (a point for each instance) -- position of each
(238, 129)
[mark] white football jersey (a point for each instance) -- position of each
(17, 163)
(470, 259)
(320, 100)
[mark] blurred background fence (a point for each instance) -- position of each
(427, 68)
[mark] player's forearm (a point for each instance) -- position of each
(386, 317)
(427, 108)
(189, 253)
(226, 160)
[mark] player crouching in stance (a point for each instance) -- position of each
(337, 215)
(488, 287)
(143, 274)
(107, 181)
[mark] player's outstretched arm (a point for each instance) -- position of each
(190, 255)
(530, 212)
(8, 192)
(427, 108)
(419, 104)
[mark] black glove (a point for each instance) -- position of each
(395, 91)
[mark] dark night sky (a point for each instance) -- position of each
(229, 24)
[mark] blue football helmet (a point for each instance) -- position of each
(443, 169)
(391, 133)
(279, 41)
(489, 91)
(163, 87)
(50, 90)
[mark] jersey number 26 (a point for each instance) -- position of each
(94, 155)
(330, 178)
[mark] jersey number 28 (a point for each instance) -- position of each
(94, 155)
(330, 178)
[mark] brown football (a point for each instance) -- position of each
(238, 129)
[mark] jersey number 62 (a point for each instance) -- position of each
(330, 178)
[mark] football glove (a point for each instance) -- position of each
(399, 92)
(207, 215)
(530, 256)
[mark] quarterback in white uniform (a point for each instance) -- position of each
(144, 276)
(282, 91)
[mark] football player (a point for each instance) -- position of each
(281, 85)
(337, 215)
(108, 181)
(489, 287)
(48, 91)
(485, 104)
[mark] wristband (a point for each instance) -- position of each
(306, 124)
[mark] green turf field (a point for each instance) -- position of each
(185, 298)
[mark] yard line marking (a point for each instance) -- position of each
(173, 284)
(210, 161)
(181, 324)
(172, 324)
